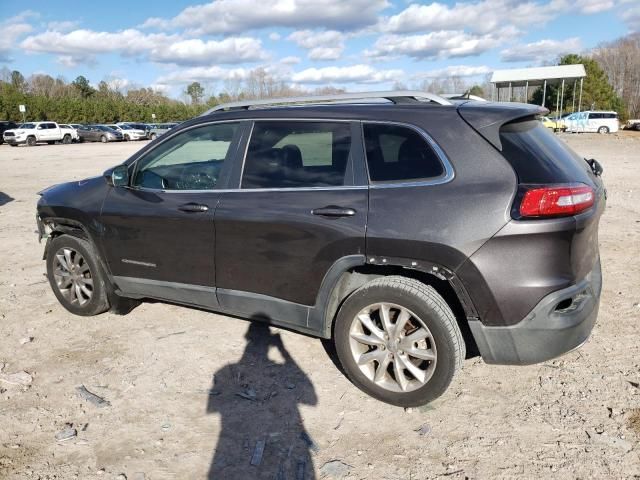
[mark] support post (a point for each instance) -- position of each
(561, 100)
(509, 92)
(526, 92)
(493, 92)
(557, 102)
(573, 104)
(580, 101)
(544, 93)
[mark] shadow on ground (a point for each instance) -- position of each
(258, 401)
(4, 199)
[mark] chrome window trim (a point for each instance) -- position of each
(449, 172)
(448, 176)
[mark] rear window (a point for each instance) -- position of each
(538, 156)
(399, 153)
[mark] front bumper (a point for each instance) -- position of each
(14, 140)
(561, 322)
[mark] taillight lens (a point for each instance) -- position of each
(557, 200)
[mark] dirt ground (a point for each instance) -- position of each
(574, 417)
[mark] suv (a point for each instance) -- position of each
(408, 232)
(592, 121)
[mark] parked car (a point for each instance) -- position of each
(99, 133)
(128, 132)
(554, 125)
(632, 124)
(4, 126)
(366, 223)
(37, 132)
(592, 121)
(160, 129)
(139, 126)
(75, 137)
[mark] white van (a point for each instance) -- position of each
(592, 121)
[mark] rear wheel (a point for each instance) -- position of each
(603, 130)
(153, 136)
(103, 139)
(31, 141)
(66, 139)
(398, 341)
(76, 277)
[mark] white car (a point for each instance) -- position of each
(37, 132)
(71, 130)
(592, 121)
(129, 133)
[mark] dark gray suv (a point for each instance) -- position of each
(407, 228)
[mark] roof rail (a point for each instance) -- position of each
(400, 96)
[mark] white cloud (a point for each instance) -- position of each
(274, 36)
(233, 16)
(198, 52)
(11, 30)
(291, 60)
(76, 46)
(322, 45)
(350, 74)
(455, 71)
(631, 17)
(203, 74)
(541, 50)
(486, 15)
(62, 26)
(437, 45)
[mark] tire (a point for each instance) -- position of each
(153, 136)
(603, 130)
(66, 139)
(31, 141)
(91, 296)
(126, 138)
(103, 139)
(426, 308)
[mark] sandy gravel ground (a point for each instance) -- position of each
(192, 393)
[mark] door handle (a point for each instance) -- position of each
(333, 211)
(193, 207)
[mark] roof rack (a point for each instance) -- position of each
(400, 96)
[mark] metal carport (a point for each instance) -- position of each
(540, 77)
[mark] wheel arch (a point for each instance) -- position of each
(358, 271)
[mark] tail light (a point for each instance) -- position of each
(556, 200)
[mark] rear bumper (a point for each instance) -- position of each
(548, 331)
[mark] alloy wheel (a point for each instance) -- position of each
(72, 275)
(392, 347)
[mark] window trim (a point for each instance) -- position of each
(446, 177)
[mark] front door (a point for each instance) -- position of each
(301, 206)
(159, 235)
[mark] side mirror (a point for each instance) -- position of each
(118, 176)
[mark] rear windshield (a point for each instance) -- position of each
(538, 156)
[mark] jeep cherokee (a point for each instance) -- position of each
(407, 228)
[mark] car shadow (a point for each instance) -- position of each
(4, 199)
(262, 435)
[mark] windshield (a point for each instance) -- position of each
(104, 128)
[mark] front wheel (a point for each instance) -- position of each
(153, 136)
(76, 277)
(103, 139)
(66, 139)
(603, 130)
(31, 141)
(398, 341)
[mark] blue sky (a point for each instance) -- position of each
(357, 44)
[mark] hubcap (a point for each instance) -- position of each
(392, 347)
(72, 275)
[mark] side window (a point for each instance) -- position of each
(399, 153)
(289, 154)
(192, 160)
(595, 115)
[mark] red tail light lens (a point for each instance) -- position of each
(557, 200)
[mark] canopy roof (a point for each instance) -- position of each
(519, 77)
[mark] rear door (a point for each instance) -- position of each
(159, 233)
(300, 206)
